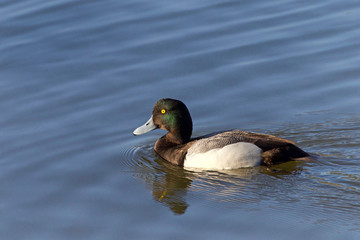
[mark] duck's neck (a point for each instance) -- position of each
(177, 137)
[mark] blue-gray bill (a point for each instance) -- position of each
(147, 127)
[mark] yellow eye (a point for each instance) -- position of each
(163, 111)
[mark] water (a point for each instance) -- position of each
(78, 76)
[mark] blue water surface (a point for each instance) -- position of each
(77, 77)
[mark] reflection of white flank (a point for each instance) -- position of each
(233, 156)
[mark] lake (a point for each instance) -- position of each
(77, 77)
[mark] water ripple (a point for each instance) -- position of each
(319, 185)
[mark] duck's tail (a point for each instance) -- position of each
(283, 154)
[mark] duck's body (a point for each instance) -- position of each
(223, 150)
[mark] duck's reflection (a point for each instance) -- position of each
(169, 184)
(171, 189)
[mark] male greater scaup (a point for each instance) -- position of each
(223, 150)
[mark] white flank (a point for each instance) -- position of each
(233, 156)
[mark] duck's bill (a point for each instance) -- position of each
(147, 127)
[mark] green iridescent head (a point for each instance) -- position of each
(171, 115)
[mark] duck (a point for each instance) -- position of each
(229, 149)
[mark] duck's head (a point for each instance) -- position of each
(171, 115)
